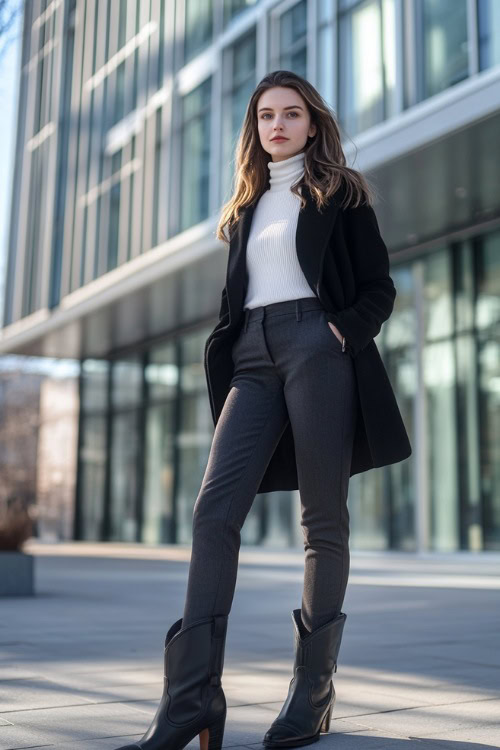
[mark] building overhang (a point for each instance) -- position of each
(167, 288)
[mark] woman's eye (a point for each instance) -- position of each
(290, 113)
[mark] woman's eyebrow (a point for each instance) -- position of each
(293, 106)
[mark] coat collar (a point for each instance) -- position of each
(314, 229)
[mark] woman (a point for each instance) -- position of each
(300, 400)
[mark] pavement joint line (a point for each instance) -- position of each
(84, 705)
(263, 704)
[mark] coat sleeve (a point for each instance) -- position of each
(375, 290)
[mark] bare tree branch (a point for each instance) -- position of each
(9, 11)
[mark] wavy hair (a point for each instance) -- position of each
(325, 170)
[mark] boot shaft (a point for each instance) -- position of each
(318, 650)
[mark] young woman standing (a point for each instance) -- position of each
(300, 400)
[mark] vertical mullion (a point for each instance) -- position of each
(141, 142)
(141, 451)
(104, 183)
(400, 55)
(422, 504)
(79, 500)
(95, 144)
(472, 37)
(127, 166)
(69, 255)
(52, 182)
(25, 217)
(77, 238)
(108, 499)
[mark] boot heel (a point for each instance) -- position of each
(211, 737)
(325, 724)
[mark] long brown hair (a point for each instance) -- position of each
(325, 169)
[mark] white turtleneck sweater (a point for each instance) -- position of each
(274, 273)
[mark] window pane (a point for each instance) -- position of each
(195, 137)
(198, 27)
(464, 292)
(238, 82)
(93, 469)
(194, 440)
(489, 33)
(95, 384)
(126, 382)
(293, 39)
(162, 372)
(439, 379)
(158, 514)
(468, 440)
(399, 337)
(438, 309)
(233, 8)
(488, 297)
(124, 477)
(489, 368)
(487, 320)
(325, 63)
(361, 84)
(445, 50)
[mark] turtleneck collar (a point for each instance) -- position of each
(282, 174)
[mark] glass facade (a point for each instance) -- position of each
(126, 135)
(447, 389)
(147, 427)
(146, 432)
(129, 114)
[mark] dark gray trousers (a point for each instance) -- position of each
(289, 365)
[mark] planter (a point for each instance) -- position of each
(16, 573)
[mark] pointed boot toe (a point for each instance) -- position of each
(311, 695)
(283, 735)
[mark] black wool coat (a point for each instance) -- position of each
(346, 264)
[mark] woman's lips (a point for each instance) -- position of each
(279, 139)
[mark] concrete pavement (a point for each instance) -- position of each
(81, 663)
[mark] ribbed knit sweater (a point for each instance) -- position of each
(274, 273)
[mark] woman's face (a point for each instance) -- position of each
(281, 111)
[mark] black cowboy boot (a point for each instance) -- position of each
(193, 701)
(311, 695)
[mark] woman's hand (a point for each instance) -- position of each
(336, 331)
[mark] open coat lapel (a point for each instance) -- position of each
(314, 229)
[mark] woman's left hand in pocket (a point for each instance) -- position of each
(336, 331)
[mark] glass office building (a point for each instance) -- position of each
(128, 116)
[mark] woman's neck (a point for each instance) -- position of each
(282, 174)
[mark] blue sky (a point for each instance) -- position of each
(9, 85)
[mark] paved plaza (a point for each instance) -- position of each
(81, 663)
